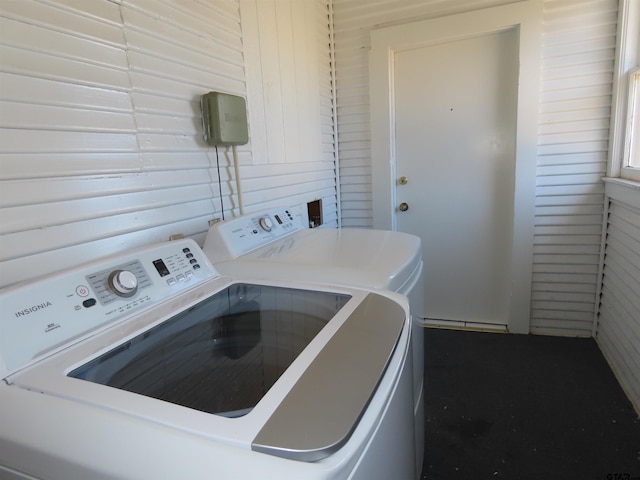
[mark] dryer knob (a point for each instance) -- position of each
(123, 282)
(266, 223)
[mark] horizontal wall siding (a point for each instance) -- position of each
(67, 114)
(619, 315)
(101, 129)
(577, 71)
(103, 147)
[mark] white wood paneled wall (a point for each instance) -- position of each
(101, 130)
(578, 56)
(618, 331)
(288, 71)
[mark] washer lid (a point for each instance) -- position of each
(348, 372)
(223, 354)
(350, 256)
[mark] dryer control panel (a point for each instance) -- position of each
(230, 239)
(41, 316)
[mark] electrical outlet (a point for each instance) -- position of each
(314, 209)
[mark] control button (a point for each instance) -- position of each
(123, 282)
(89, 302)
(196, 267)
(186, 250)
(188, 274)
(171, 281)
(266, 223)
(189, 255)
(181, 278)
(82, 290)
(192, 261)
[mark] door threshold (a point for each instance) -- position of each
(462, 325)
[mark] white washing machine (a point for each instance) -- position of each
(276, 243)
(150, 364)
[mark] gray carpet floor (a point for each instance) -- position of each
(525, 407)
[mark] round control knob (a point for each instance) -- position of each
(266, 223)
(123, 282)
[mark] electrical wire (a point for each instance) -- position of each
(219, 182)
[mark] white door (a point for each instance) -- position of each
(455, 111)
(448, 96)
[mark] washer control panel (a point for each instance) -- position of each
(230, 239)
(40, 316)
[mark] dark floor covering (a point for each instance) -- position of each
(523, 407)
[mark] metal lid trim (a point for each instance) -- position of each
(321, 411)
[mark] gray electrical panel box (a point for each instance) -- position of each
(224, 118)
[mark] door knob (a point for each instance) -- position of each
(403, 180)
(403, 207)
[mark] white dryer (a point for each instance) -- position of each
(276, 244)
(150, 364)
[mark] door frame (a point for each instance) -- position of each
(526, 18)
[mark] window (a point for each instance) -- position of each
(632, 134)
(624, 152)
